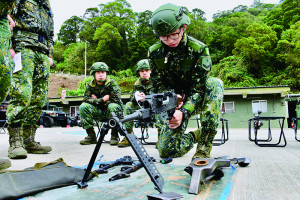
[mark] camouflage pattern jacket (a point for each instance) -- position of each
(34, 26)
(5, 6)
(110, 87)
(141, 86)
(184, 68)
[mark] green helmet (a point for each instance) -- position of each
(99, 66)
(167, 18)
(142, 64)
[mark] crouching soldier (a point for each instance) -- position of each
(142, 87)
(101, 98)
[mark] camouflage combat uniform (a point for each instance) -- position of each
(33, 37)
(185, 69)
(6, 63)
(131, 106)
(95, 109)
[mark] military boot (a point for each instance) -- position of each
(30, 144)
(114, 139)
(4, 163)
(124, 142)
(16, 148)
(90, 138)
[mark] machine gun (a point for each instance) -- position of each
(162, 103)
(205, 169)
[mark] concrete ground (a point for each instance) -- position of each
(272, 174)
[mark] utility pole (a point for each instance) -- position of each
(85, 63)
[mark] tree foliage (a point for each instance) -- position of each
(249, 46)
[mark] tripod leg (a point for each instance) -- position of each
(143, 156)
(104, 131)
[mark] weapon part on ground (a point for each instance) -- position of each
(203, 170)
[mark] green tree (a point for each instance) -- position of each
(73, 59)
(256, 50)
(109, 44)
(69, 31)
(291, 12)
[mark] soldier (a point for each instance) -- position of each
(6, 63)
(33, 38)
(182, 63)
(142, 86)
(101, 98)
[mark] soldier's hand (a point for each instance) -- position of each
(176, 119)
(94, 96)
(50, 61)
(12, 53)
(142, 97)
(11, 22)
(106, 98)
(179, 101)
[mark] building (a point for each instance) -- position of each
(240, 105)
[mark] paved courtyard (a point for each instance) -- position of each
(272, 174)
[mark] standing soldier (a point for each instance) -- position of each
(33, 38)
(102, 97)
(142, 86)
(182, 63)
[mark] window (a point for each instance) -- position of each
(58, 109)
(259, 105)
(74, 110)
(228, 107)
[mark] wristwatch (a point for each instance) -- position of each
(185, 113)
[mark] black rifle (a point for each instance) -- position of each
(126, 171)
(162, 103)
(126, 160)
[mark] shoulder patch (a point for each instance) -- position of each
(195, 44)
(154, 47)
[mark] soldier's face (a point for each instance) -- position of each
(145, 73)
(171, 42)
(100, 76)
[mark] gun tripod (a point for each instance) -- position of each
(135, 143)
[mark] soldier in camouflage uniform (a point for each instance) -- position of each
(6, 63)
(102, 97)
(182, 63)
(144, 87)
(33, 38)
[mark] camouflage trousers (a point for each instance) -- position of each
(176, 143)
(29, 89)
(89, 112)
(6, 68)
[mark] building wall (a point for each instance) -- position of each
(243, 109)
(276, 107)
